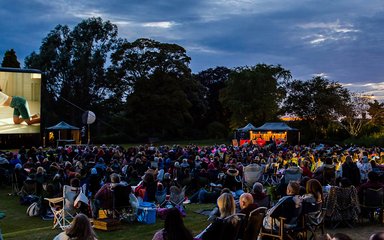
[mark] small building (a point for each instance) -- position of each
(276, 131)
(67, 134)
(271, 131)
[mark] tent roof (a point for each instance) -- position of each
(62, 126)
(248, 127)
(275, 126)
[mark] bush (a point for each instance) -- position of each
(376, 139)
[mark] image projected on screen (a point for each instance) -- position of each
(20, 101)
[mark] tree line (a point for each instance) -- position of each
(145, 89)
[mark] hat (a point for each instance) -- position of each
(18, 166)
(232, 172)
(94, 171)
(177, 164)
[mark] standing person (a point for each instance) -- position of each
(80, 229)
(365, 167)
(21, 109)
(174, 228)
(351, 171)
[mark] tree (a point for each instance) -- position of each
(318, 101)
(213, 80)
(10, 59)
(75, 65)
(160, 106)
(253, 93)
(354, 116)
(376, 111)
(137, 60)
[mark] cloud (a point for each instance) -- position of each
(341, 39)
(163, 24)
(317, 33)
(367, 88)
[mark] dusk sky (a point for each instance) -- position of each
(342, 40)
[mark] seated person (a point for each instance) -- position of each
(313, 201)
(313, 198)
(174, 228)
(146, 190)
(292, 173)
(233, 181)
(104, 197)
(259, 195)
(226, 226)
(288, 207)
(247, 204)
(215, 213)
(80, 228)
(326, 173)
(373, 182)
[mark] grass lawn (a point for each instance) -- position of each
(17, 225)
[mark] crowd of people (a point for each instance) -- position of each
(300, 176)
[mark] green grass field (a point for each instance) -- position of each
(17, 225)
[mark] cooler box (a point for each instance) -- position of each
(146, 213)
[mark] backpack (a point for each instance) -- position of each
(33, 210)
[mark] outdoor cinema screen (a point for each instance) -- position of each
(20, 101)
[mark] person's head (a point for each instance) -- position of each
(348, 159)
(148, 178)
(257, 187)
(345, 182)
(245, 200)
(314, 187)
(174, 226)
(75, 182)
(377, 236)
(226, 204)
(115, 178)
(40, 170)
(306, 163)
(373, 176)
(293, 188)
(81, 228)
(225, 190)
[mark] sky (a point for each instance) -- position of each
(342, 40)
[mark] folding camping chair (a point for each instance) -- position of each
(63, 208)
(176, 197)
(252, 174)
(271, 176)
